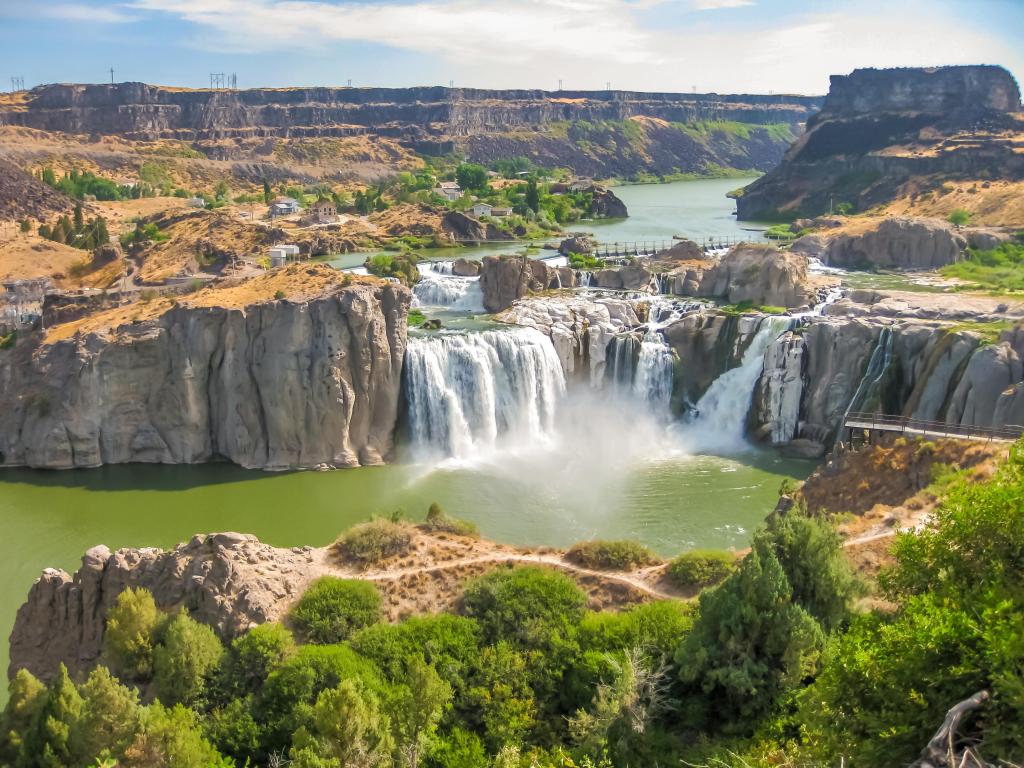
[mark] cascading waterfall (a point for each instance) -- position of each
(722, 410)
(457, 293)
(654, 375)
(868, 395)
(467, 391)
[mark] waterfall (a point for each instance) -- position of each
(457, 293)
(584, 278)
(722, 410)
(467, 391)
(437, 267)
(867, 396)
(652, 381)
(620, 362)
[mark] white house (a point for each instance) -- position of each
(450, 190)
(284, 206)
(282, 254)
(482, 209)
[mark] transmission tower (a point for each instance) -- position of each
(216, 80)
(17, 83)
(234, 81)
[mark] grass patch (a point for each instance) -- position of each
(1000, 269)
(745, 307)
(584, 261)
(374, 541)
(604, 555)
(438, 522)
(331, 609)
(701, 567)
(416, 318)
(989, 332)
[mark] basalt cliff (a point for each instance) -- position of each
(273, 133)
(897, 133)
(295, 369)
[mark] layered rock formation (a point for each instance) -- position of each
(483, 125)
(759, 274)
(878, 129)
(229, 581)
(274, 384)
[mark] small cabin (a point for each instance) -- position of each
(284, 206)
(482, 209)
(450, 190)
(499, 213)
(323, 211)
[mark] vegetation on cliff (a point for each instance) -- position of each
(772, 666)
(997, 269)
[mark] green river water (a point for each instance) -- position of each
(665, 496)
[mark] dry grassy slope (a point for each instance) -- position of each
(22, 195)
(243, 162)
(298, 282)
(991, 203)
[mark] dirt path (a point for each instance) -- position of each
(556, 561)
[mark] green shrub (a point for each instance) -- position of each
(374, 541)
(960, 217)
(129, 638)
(701, 567)
(438, 522)
(611, 555)
(185, 661)
(332, 609)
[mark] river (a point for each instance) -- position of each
(599, 471)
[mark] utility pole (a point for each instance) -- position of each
(350, 82)
(451, 83)
(17, 83)
(111, 75)
(608, 85)
(559, 83)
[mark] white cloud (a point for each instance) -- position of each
(533, 43)
(714, 5)
(87, 13)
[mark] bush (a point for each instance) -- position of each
(960, 217)
(700, 568)
(185, 661)
(129, 639)
(611, 555)
(374, 541)
(332, 609)
(438, 522)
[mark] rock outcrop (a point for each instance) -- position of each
(894, 243)
(229, 581)
(879, 129)
(605, 204)
(505, 279)
(22, 195)
(276, 384)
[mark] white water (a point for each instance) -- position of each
(468, 392)
(457, 293)
(722, 410)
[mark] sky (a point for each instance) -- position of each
(728, 46)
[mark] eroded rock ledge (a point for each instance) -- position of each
(286, 371)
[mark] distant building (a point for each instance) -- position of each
(284, 206)
(482, 209)
(323, 211)
(580, 185)
(196, 202)
(450, 190)
(501, 212)
(282, 254)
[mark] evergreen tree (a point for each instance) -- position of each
(26, 696)
(268, 194)
(185, 661)
(129, 639)
(101, 236)
(749, 645)
(110, 719)
(79, 221)
(348, 727)
(417, 709)
(47, 741)
(533, 195)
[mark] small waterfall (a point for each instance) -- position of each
(868, 395)
(653, 379)
(468, 391)
(437, 267)
(621, 362)
(457, 293)
(722, 410)
(584, 278)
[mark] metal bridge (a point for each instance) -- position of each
(878, 422)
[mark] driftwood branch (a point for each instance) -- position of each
(941, 751)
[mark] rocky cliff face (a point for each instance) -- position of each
(275, 385)
(484, 125)
(229, 581)
(896, 243)
(880, 129)
(505, 279)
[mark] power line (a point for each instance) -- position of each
(17, 83)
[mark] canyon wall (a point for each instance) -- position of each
(595, 133)
(276, 385)
(881, 129)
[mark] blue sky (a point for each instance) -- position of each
(724, 45)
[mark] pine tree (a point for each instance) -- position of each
(533, 195)
(79, 222)
(46, 743)
(268, 195)
(101, 235)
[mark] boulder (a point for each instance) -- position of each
(631, 277)
(760, 274)
(576, 244)
(505, 279)
(605, 204)
(463, 267)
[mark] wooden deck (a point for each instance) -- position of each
(878, 422)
